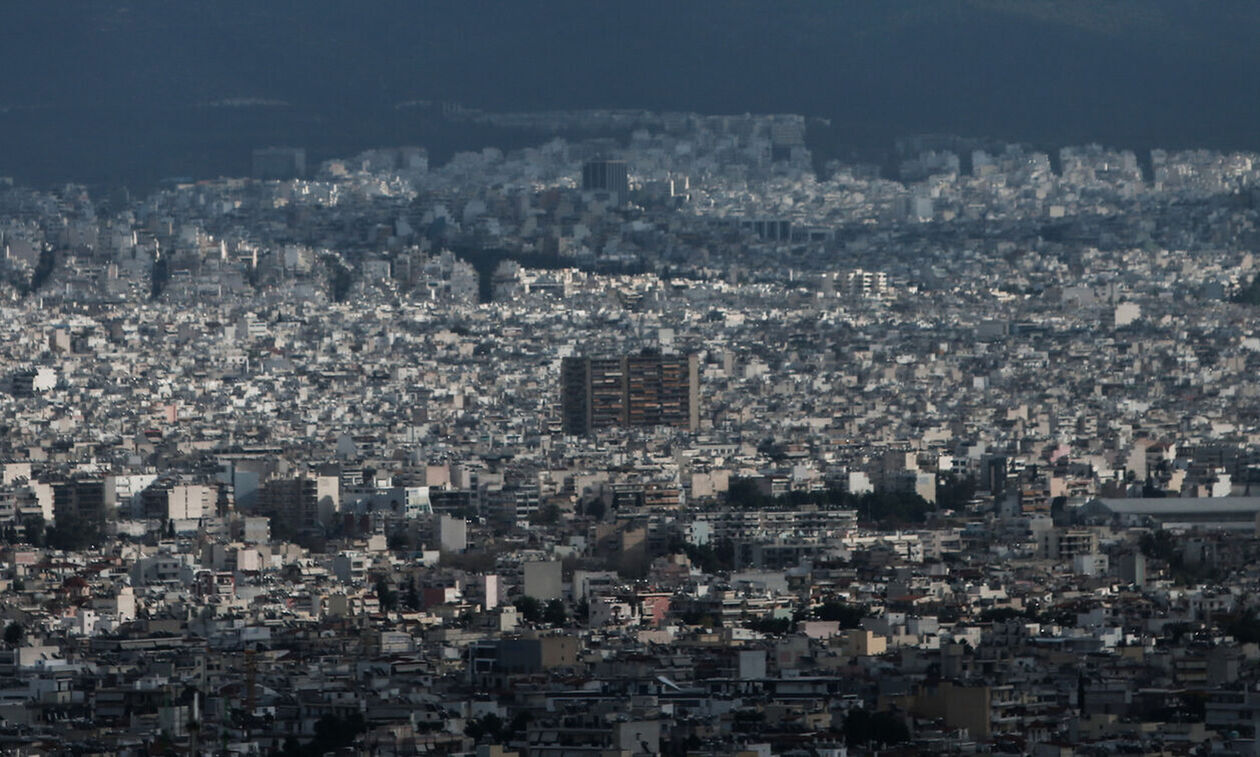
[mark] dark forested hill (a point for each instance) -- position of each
(85, 79)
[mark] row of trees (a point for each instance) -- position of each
(862, 728)
(534, 610)
(885, 507)
(490, 727)
(846, 614)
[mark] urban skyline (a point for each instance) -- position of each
(549, 429)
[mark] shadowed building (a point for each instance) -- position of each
(607, 178)
(79, 509)
(292, 504)
(279, 163)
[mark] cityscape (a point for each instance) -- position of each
(679, 445)
(554, 378)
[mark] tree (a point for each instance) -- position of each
(333, 733)
(72, 536)
(160, 274)
(1245, 628)
(291, 747)
(771, 626)
(894, 507)
(520, 721)
(43, 269)
(547, 515)
(1159, 545)
(387, 597)
(340, 280)
(35, 530)
(530, 608)
(1250, 294)
(1003, 614)
(953, 491)
(849, 616)
(595, 509)
(489, 726)
(555, 613)
(411, 597)
(713, 558)
(862, 727)
(14, 633)
(772, 449)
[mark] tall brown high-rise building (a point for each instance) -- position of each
(646, 389)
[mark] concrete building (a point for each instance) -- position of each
(635, 390)
(607, 179)
(79, 505)
(542, 580)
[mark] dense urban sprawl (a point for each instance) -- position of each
(963, 463)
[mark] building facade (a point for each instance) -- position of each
(647, 389)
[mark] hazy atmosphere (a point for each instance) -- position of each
(156, 89)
